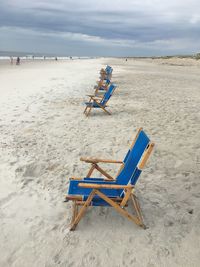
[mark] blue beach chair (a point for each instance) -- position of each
(108, 69)
(99, 102)
(102, 86)
(107, 73)
(109, 192)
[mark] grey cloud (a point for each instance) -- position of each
(141, 25)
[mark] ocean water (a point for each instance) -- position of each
(4, 55)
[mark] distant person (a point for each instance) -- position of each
(18, 61)
(126, 59)
(56, 58)
(11, 60)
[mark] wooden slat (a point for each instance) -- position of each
(97, 97)
(75, 178)
(126, 197)
(98, 160)
(137, 209)
(146, 155)
(136, 206)
(117, 200)
(80, 203)
(120, 169)
(74, 198)
(105, 186)
(118, 208)
(104, 172)
(91, 170)
(94, 96)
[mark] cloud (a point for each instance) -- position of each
(119, 25)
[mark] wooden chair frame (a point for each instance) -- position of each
(96, 100)
(118, 204)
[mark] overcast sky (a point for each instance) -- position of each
(100, 27)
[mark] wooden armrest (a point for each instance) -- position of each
(105, 186)
(97, 160)
(99, 95)
(96, 97)
(74, 198)
(90, 95)
(75, 178)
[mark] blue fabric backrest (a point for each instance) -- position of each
(132, 159)
(108, 94)
(107, 81)
(108, 67)
(108, 70)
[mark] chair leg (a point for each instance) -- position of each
(109, 113)
(137, 208)
(85, 110)
(74, 212)
(122, 211)
(82, 210)
(90, 108)
(87, 107)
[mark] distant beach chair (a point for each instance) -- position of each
(106, 73)
(108, 69)
(99, 101)
(109, 192)
(101, 86)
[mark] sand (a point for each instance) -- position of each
(43, 133)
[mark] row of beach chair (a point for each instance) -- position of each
(116, 192)
(103, 92)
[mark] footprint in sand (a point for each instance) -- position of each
(56, 259)
(163, 252)
(71, 240)
(128, 259)
(90, 259)
(33, 170)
